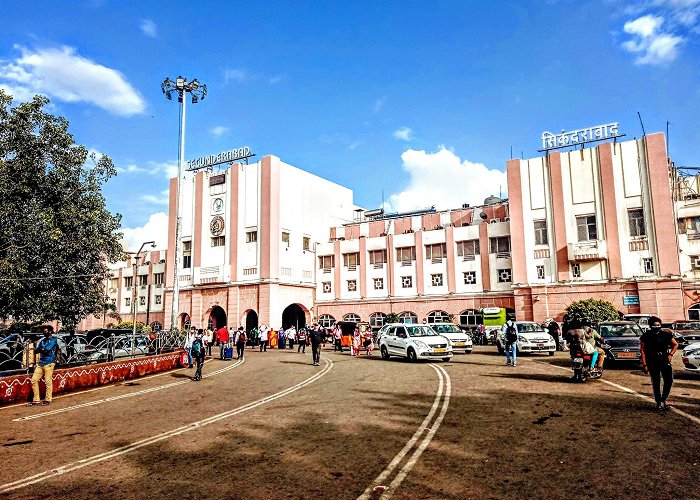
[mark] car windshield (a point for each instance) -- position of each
(529, 328)
(420, 331)
(690, 325)
(626, 330)
(446, 329)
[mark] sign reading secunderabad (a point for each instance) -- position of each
(582, 136)
(225, 157)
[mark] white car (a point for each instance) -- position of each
(414, 342)
(691, 357)
(531, 338)
(460, 340)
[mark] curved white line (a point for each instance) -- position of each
(122, 396)
(43, 476)
(426, 441)
(411, 442)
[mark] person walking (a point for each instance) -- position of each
(188, 345)
(291, 337)
(264, 331)
(553, 329)
(337, 339)
(208, 341)
(657, 347)
(282, 338)
(222, 339)
(240, 342)
(509, 338)
(316, 338)
(303, 340)
(47, 348)
(198, 351)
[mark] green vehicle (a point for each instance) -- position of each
(494, 319)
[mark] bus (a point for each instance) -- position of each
(494, 319)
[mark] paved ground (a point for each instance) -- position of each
(275, 426)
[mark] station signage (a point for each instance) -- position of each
(223, 157)
(630, 300)
(581, 136)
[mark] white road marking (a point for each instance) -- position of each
(411, 442)
(690, 417)
(122, 396)
(64, 469)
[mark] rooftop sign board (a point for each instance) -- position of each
(225, 157)
(582, 136)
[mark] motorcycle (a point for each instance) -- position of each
(581, 364)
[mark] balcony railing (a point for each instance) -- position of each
(503, 255)
(639, 245)
(587, 250)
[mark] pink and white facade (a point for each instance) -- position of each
(248, 237)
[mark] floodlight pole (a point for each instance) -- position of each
(180, 87)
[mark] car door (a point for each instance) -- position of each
(401, 340)
(390, 339)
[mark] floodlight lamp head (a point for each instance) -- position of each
(180, 82)
(195, 99)
(194, 84)
(168, 94)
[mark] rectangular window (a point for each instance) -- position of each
(285, 238)
(636, 220)
(436, 279)
(541, 232)
(648, 266)
(468, 249)
(406, 281)
(695, 262)
(500, 245)
(377, 257)
(143, 279)
(540, 272)
(142, 301)
(218, 241)
(505, 275)
(127, 301)
(159, 299)
(352, 285)
(435, 252)
(326, 285)
(306, 243)
(186, 254)
(379, 283)
(128, 281)
(113, 283)
(251, 237)
(406, 254)
(351, 260)
(326, 262)
(586, 228)
(576, 270)
(470, 278)
(158, 279)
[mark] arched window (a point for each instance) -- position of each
(326, 320)
(352, 317)
(438, 317)
(471, 317)
(377, 320)
(408, 317)
(694, 312)
(156, 327)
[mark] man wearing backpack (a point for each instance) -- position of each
(509, 337)
(198, 353)
(240, 342)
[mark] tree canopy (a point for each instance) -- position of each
(595, 310)
(56, 233)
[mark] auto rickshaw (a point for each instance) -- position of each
(347, 329)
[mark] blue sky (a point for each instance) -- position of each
(420, 100)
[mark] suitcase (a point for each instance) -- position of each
(228, 353)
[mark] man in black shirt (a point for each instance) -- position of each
(316, 337)
(658, 347)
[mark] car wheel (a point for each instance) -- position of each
(551, 353)
(385, 352)
(412, 355)
(446, 359)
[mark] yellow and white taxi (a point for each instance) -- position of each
(413, 342)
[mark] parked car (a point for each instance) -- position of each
(621, 341)
(122, 349)
(691, 357)
(531, 338)
(686, 332)
(460, 341)
(641, 319)
(414, 342)
(75, 344)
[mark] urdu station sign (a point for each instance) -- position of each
(225, 157)
(582, 136)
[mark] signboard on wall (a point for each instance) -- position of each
(630, 300)
(581, 136)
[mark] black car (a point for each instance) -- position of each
(686, 333)
(620, 341)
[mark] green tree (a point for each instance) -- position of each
(129, 325)
(596, 310)
(56, 232)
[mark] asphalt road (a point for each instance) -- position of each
(274, 426)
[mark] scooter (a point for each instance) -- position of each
(581, 364)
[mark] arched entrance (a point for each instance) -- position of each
(218, 317)
(251, 320)
(293, 314)
(185, 321)
(694, 312)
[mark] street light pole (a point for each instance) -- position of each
(134, 294)
(198, 91)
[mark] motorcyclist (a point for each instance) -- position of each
(591, 336)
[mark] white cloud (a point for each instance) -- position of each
(444, 180)
(63, 75)
(236, 74)
(218, 131)
(163, 199)
(156, 229)
(165, 169)
(644, 26)
(379, 104)
(403, 134)
(149, 28)
(274, 80)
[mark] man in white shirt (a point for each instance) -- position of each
(263, 337)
